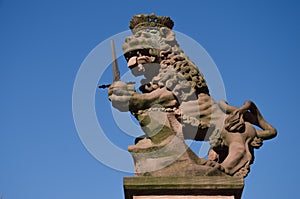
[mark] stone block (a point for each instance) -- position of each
(202, 187)
(183, 197)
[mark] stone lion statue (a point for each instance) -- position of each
(175, 104)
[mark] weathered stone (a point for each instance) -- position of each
(212, 186)
(175, 104)
(183, 197)
(170, 158)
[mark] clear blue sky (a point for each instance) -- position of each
(255, 44)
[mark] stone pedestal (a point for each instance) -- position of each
(183, 197)
(202, 187)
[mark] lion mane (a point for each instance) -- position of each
(177, 72)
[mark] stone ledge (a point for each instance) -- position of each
(193, 186)
(183, 197)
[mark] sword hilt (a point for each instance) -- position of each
(104, 86)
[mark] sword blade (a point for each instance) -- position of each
(116, 71)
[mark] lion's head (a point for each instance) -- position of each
(155, 53)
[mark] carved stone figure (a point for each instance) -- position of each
(175, 104)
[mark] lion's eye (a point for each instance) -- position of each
(141, 52)
(145, 52)
(130, 54)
